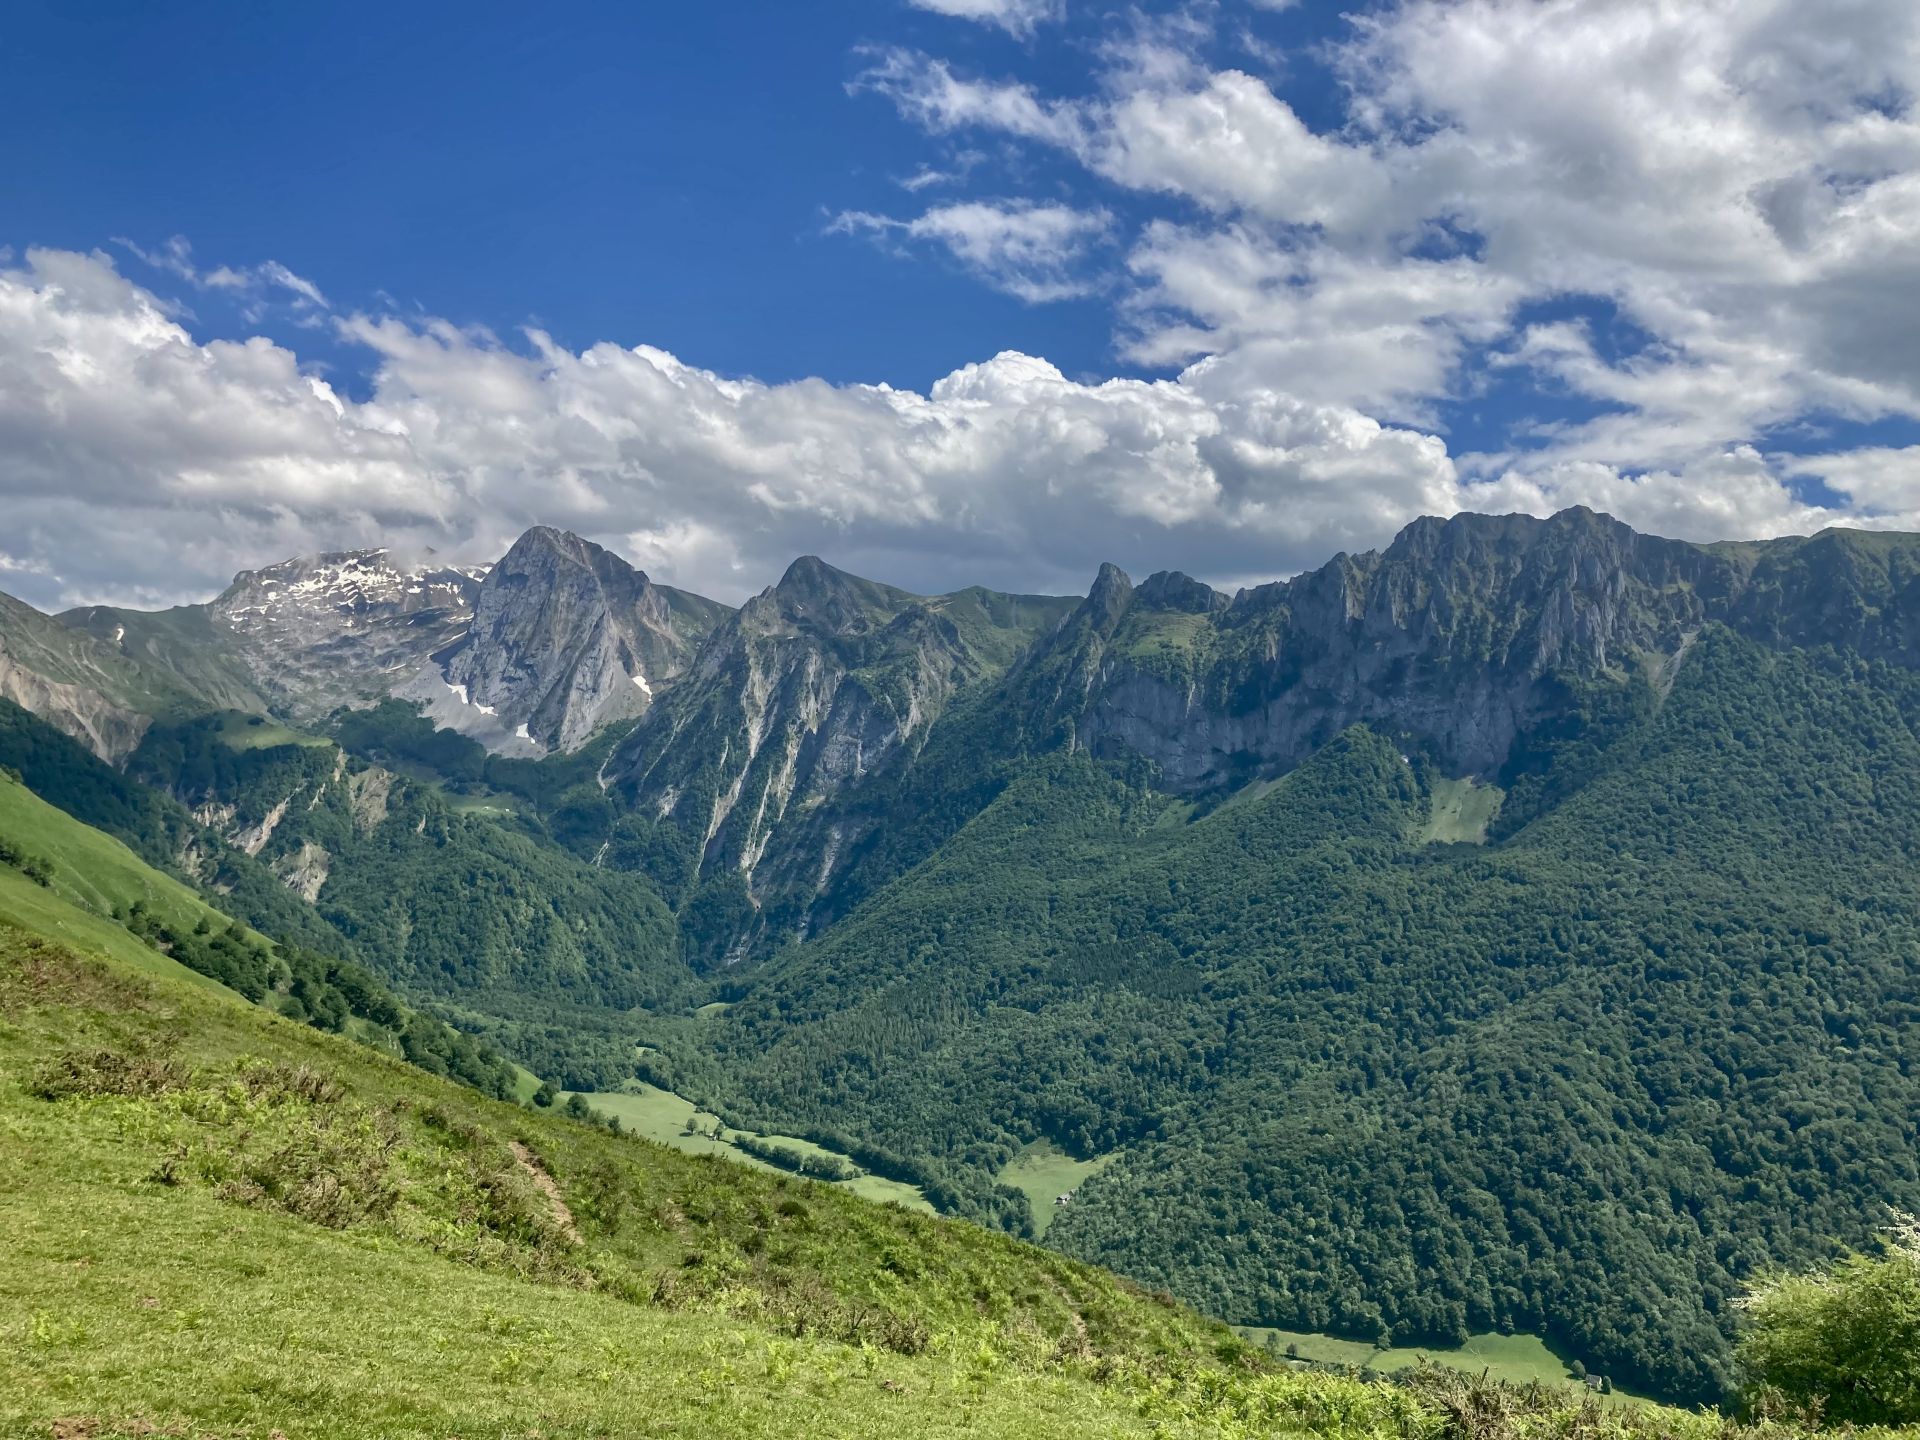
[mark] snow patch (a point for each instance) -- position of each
(460, 694)
(521, 732)
(641, 681)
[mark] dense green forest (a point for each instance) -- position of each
(503, 930)
(464, 1266)
(1584, 1079)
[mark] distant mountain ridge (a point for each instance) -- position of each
(554, 640)
(1459, 633)
(767, 741)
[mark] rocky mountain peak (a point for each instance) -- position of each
(815, 595)
(1172, 591)
(1107, 599)
(319, 631)
(344, 584)
(566, 637)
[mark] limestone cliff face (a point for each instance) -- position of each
(812, 688)
(567, 637)
(1461, 633)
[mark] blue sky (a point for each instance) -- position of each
(1265, 280)
(639, 172)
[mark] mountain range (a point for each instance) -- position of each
(1510, 928)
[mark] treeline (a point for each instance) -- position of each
(320, 991)
(800, 1162)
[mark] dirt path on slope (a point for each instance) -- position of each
(536, 1172)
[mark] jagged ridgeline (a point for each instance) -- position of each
(1512, 928)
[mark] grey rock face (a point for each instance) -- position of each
(1460, 633)
(81, 687)
(108, 730)
(809, 690)
(317, 632)
(566, 637)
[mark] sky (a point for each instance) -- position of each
(944, 291)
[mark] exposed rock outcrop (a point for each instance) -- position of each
(317, 632)
(566, 637)
(811, 688)
(1462, 633)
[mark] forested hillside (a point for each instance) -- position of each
(493, 925)
(1582, 1079)
(221, 1222)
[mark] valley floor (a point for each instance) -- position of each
(662, 1116)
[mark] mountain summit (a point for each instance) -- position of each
(566, 637)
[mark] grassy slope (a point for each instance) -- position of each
(181, 648)
(254, 732)
(1461, 810)
(1516, 1359)
(68, 656)
(128, 1297)
(93, 873)
(140, 1297)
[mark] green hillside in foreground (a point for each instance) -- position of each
(220, 1221)
(217, 1218)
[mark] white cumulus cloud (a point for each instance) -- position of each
(142, 464)
(1016, 17)
(1032, 251)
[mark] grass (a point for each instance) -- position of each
(1516, 1359)
(661, 1116)
(1461, 811)
(255, 732)
(1045, 1172)
(489, 806)
(165, 1268)
(92, 874)
(121, 1308)
(1162, 641)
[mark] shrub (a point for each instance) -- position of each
(106, 1072)
(1843, 1341)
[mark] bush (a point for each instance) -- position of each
(35, 867)
(1844, 1341)
(106, 1072)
